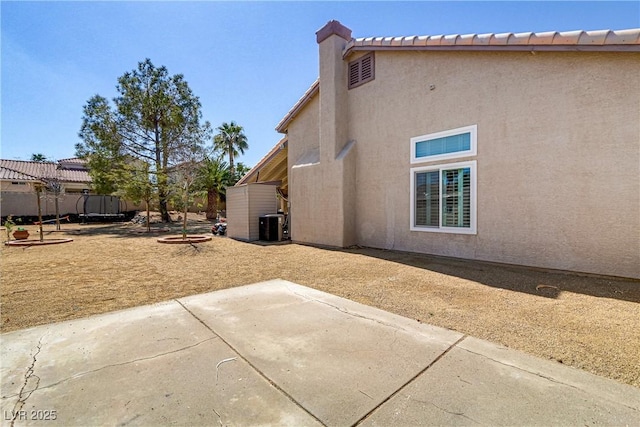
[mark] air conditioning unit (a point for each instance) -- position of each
(270, 227)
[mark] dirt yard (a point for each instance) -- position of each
(591, 323)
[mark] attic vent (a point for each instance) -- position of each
(362, 70)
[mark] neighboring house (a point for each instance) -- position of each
(18, 179)
(511, 148)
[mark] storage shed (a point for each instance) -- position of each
(246, 203)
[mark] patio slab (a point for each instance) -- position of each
(336, 358)
(152, 365)
(486, 384)
(277, 353)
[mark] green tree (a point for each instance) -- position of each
(231, 141)
(155, 117)
(137, 185)
(213, 178)
(101, 145)
(38, 157)
(241, 170)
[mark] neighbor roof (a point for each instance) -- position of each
(75, 160)
(33, 171)
(10, 174)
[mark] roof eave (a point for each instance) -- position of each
(498, 48)
(266, 159)
(302, 102)
(583, 41)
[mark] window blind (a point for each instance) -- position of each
(444, 145)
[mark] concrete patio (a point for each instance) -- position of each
(277, 353)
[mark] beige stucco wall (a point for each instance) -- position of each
(304, 129)
(558, 156)
(16, 186)
(25, 204)
(20, 200)
(305, 176)
(19, 186)
(322, 164)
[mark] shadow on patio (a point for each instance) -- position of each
(128, 230)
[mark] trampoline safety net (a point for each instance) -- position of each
(101, 206)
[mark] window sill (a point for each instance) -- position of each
(449, 230)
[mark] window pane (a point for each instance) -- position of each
(427, 199)
(456, 198)
(444, 145)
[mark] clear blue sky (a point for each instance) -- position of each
(246, 61)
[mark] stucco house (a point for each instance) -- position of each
(511, 148)
(18, 178)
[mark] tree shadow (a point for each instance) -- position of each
(128, 230)
(534, 281)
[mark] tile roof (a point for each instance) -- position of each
(10, 174)
(73, 160)
(306, 97)
(33, 171)
(601, 40)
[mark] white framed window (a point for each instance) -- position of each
(444, 199)
(449, 144)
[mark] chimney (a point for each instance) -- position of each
(332, 38)
(333, 28)
(337, 153)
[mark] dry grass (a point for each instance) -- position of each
(591, 323)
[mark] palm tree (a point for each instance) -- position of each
(231, 141)
(38, 157)
(241, 170)
(213, 177)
